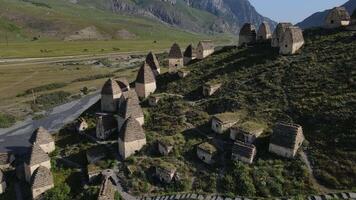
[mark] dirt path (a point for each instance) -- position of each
(314, 181)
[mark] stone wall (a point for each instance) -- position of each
(30, 169)
(201, 54)
(288, 47)
(281, 151)
(333, 21)
(2, 187)
(38, 191)
(174, 65)
(144, 90)
(237, 157)
(126, 149)
(109, 103)
(205, 157)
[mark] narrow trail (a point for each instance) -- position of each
(314, 181)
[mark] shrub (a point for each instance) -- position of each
(6, 120)
(59, 192)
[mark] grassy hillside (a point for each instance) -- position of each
(38, 27)
(314, 88)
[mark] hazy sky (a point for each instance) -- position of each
(293, 10)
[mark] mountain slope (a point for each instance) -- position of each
(58, 19)
(198, 16)
(317, 19)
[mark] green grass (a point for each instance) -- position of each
(63, 19)
(6, 120)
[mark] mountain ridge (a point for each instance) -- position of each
(317, 19)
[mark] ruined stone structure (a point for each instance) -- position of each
(107, 189)
(41, 181)
(204, 49)
(37, 157)
(131, 138)
(82, 125)
(130, 108)
(222, 122)
(165, 147)
(207, 152)
(165, 172)
(278, 32)
(264, 32)
(94, 172)
(175, 59)
(152, 61)
(292, 40)
(145, 81)
(189, 54)
(246, 132)
(182, 73)
(153, 100)
(210, 88)
(44, 139)
(105, 126)
(110, 96)
(337, 17)
(2, 182)
(286, 139)
(123, 84)
(6, 158)
(247, 34)
(243, 152)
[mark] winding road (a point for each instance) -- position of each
(15, 138)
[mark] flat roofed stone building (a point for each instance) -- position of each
(243, 152)
(189, 54)
(106, 125)
(337, 17)
(286, 139)
(123, 84)
(152, 61)
(6, 158)
(130, 108)
(41, 181)
(107, 189)
(204, 49)
(2, 182)
(175, 59)
(110, 96)
(247, 132)
(292, 40)
(154, 99)
(37, 157)
(278, 32)
(207, 152)
(264, 32)
(165, 146)
(223, 121)
(131, 138)
(165, 172)
(145, 81)
(210, 88)
(247, 34)
(94, 172)
(44, 139)
(183, 72)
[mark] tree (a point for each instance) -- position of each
(60, 192)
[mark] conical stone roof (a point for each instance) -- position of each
(248, 29)
(189, 51)
(111, 88)
(36, 156)
(145, 74)
(41, 136)
(132, 131)
(131, 108)
(41, 177)
(152, 61)
(175, 52)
